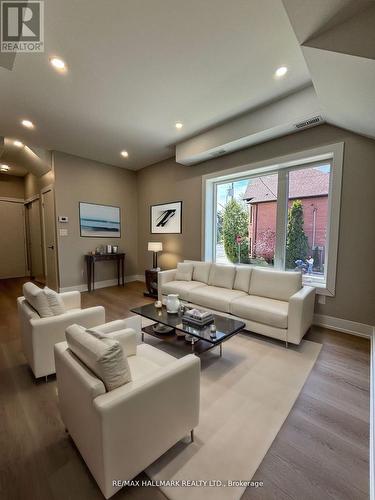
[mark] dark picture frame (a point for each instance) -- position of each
(99, 221)
(162, 219)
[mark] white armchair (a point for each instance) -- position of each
(39, 335)
(121, 432)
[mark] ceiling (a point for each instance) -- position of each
(24, 159)
(133, 71)
(337, 38)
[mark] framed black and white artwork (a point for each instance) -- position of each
(166, 218)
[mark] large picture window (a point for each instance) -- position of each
(284, 217)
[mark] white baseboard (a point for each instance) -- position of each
(343, 325)
(101, 284)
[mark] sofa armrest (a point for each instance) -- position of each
(133, 322)
(146, 417)
(164, 277)
(300, 313)
(56, 325)
(72, 300)
(127, 339)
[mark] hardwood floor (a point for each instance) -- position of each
(321, 452)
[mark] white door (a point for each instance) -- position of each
(12, 240)
(35, 241)
(49, 238)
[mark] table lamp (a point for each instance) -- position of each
(155, 246)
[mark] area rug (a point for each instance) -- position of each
(245, 397)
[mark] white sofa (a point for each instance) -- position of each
(39, 335)
(271, 303)
(121, 432)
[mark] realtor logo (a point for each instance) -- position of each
(22, 26)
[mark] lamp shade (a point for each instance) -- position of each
(155, 246)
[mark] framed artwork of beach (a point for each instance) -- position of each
(99, 221)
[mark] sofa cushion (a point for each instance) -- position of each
(55, 301)
(201, 271)
(181, 288)
(214, 297)
(278, 285)
(184, 271)
(242, 279)
(222, 276)
(261, 310)
(37, 299)
(103, 356)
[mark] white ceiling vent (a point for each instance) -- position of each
(316, 120)
(218, 152)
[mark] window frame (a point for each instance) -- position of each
(332, 154)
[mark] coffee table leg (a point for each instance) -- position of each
(221, 350)
(143, 335)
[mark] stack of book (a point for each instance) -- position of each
(198, 318)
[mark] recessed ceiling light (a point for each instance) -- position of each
(4, 168)
(27, 123)
(179, 125)
(281, 71)
(124, 153)
(19, 144)
(57, 63)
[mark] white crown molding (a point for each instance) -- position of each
(101, 284)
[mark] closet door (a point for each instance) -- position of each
(12, 240)
(35, 241)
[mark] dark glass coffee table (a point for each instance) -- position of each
(201, 339)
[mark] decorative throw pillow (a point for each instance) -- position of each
(55, 302)
(184, 271)
(103, 356)
(36, 297)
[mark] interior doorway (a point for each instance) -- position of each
(34, 241)
(49, 237)
(13, 239)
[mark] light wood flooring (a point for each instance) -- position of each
(320, 453)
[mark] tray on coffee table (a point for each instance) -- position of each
(201, 336)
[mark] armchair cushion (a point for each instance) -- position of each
(55, 302)
(37, 299)
(103, 356)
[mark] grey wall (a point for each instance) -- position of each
(355, 284)
(34, 184)
(78, 179)
(12, 186)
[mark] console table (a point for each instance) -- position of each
(119, 258)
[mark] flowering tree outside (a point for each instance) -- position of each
(264, 246)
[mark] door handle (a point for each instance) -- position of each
(51, 247)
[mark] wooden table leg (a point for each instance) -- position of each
(118, 272)
(123, 270)
(88, 271)
(93, 274)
